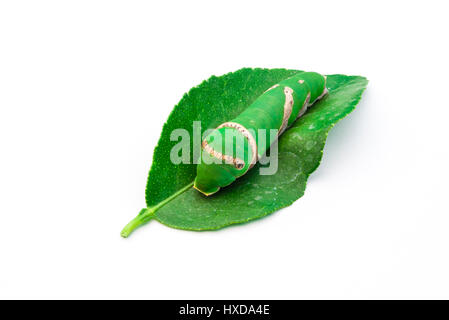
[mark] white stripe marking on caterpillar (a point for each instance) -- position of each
(304, 106)
(272, 87)
(288, 106)
(245, 132)
(237, 162)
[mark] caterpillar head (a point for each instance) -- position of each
(224, 156)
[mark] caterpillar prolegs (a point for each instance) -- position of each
(249, 133)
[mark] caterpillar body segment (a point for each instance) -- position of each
(235, 146)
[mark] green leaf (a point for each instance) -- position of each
(169, 196)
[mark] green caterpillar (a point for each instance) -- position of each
(276, 109)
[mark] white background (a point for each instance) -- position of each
(85, 87)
